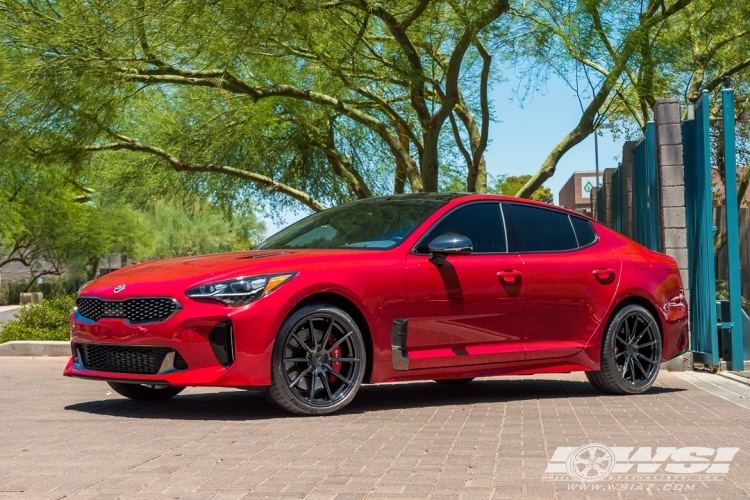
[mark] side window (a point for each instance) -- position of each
(584, 232)
(543, 230)
(480, 222)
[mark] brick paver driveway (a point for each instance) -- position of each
(493, 438)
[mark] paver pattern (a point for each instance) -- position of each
(63, 438)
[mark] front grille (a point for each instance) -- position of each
(142, 360)
(133, 310)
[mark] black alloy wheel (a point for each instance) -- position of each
(145, 392)
(631, 353)
(318, 361)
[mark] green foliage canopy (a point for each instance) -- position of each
(320, 101)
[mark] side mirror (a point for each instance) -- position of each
(449, 244)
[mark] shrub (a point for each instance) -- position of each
(722, 293)
(46, 321)
(10, 293)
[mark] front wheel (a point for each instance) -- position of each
(631, 353)
(318, 361)
(145, 392)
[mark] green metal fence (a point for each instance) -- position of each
(697, 160)
(704, 325)
(645, 190)
(708, 329)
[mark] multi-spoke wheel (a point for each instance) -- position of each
(318, 361)
(145, 392)
(631, 353)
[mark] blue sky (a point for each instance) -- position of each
(521, 137)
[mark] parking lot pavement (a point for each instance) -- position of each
(493, 438)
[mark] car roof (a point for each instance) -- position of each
(460, 198)
(513, 199)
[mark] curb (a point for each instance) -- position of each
(35, 348)
(732, 376)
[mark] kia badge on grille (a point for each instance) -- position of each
(119, 288)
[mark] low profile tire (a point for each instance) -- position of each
(455, 381)
(631, 353)
(318, 361)
(146, 392)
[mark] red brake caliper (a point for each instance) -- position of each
(335, 353)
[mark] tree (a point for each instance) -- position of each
(59, 226)
(509, 185)
(663, 51)
(200, 230)
(319, 101)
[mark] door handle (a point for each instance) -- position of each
(603, 272)
(509, 276)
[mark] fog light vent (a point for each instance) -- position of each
(222, 342)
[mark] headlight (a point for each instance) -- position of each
(240, 291)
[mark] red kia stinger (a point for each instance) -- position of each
(443, 287)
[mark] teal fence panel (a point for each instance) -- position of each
(735, 361)
(617, 224)
(645, 190)
(698, 205)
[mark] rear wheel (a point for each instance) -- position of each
(631, 353)
(145, 392)
(318, 361)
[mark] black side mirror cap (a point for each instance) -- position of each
(449, 244)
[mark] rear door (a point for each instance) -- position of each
(570, 279)
(469, 310)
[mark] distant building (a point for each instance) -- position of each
(576, 193)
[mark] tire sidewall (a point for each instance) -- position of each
(278, 377)
(608, 364)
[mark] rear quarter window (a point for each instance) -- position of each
(584, 231)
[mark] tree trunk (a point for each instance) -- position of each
(429, 163)
(476, 179)
(400, 177)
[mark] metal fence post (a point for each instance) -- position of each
(732, 228)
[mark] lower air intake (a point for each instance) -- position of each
(141, 360)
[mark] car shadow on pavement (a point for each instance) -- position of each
(251, 405)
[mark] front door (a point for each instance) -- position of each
(570, 279)
(470, 309)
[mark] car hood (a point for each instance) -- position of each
(171, 277)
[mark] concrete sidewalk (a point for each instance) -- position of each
(8, 313)
(494, 438)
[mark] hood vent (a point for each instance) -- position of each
(264, 255)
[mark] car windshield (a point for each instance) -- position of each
(367, 224)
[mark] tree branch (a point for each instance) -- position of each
(179, 165)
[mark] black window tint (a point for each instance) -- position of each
(480, 222)
(543, 230)
(584, 231)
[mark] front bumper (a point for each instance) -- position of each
(187, 332)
